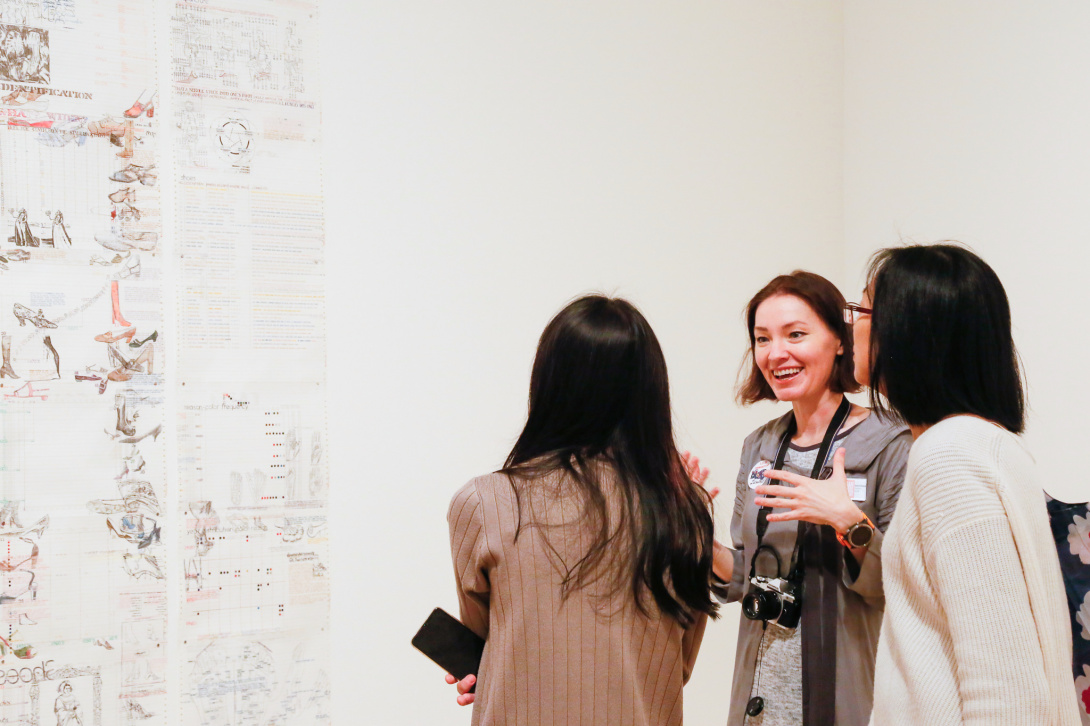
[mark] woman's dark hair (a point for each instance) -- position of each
(940, 340)
(827, 302)
(599, 391)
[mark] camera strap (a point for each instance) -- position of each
(831, 432)
(821, 555)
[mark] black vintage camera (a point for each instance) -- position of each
(773, 599)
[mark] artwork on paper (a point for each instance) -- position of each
(24, 54)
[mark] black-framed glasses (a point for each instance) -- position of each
(852, 311)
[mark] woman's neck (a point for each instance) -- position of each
(812, 417)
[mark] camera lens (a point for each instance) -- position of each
(761, 605)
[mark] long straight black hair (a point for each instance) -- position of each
(941, 340)
(599, 391)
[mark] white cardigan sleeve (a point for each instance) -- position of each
(979, 581)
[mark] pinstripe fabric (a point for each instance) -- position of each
(584, 661)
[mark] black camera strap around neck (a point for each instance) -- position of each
(831, 432)
(821, 563)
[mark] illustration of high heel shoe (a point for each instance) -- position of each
(56, 356)
(123, 195)
(138, 108)
(87, 377)
(6, 371)
(111, 337)
(154, 434)
(118, 318)
(27, 391)
(138, 343)
(23, 313)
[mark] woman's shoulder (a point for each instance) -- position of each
(483, 487)
(966, 457)
(966, 437)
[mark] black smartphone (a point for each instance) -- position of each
(452, 645)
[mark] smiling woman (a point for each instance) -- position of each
(818, 532)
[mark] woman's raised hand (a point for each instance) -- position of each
(698, 475)
(821, 501)
(464, 696)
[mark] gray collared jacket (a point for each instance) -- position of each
(874, 449)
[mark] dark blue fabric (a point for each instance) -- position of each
(1073, 546)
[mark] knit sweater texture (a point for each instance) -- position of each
(976, 629)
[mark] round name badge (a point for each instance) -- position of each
(757, 473)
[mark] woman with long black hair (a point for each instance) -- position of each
(586, 561)
(976, 629)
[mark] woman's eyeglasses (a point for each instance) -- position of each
(853, 311)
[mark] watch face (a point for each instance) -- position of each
(860, 534)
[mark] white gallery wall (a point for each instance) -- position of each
(969, 121)
(488, 161)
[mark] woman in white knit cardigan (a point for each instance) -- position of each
(976, 628)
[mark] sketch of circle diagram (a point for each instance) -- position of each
(235, 139)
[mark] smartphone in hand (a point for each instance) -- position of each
(452, 645)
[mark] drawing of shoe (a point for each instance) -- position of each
(142, 565)
(130, 213)
(291, 532)
(24, 652)
(16, 255)
(124, 426)
(138, 494)
(31, 119)
(138, 343)
(138, 107)
(143, 241)
(81, 377)
(6, 371)
(27, 391)
(102, 386)
(136, 528)
(24, 619)
(99, 260)
(123, 195)
(104, 643)
(24, 314)
(114, 336)
(113, 242)
(132, 269)
(153, 433)
(133, 172)
(53, 351)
